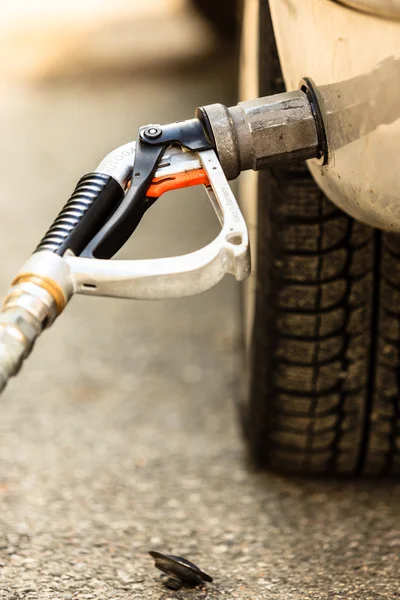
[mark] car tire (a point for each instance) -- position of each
(324, 351)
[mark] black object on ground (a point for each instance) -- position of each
(180, 571)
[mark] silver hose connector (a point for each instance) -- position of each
(25, 314)
(38, 295)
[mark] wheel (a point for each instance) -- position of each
(323, 350)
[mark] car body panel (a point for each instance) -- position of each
(354, 60)
(383, 8)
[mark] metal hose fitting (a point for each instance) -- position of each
(25, 314)
(38, 295)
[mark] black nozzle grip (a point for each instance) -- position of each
(93, 201)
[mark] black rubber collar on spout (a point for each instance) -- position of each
(315, 100)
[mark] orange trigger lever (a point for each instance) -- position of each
(160, 185)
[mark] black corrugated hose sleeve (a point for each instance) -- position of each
(93, 201)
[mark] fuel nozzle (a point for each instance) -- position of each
(108, 204)
(101, 214)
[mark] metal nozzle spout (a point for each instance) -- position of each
(266, 131)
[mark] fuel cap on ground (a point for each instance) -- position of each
(180, 571)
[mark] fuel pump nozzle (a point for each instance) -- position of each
(107, 205)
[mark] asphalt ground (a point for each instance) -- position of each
(120, 434)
